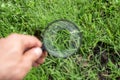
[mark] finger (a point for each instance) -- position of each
(44, 54)
(41, 61)
(32, 55)
(26, 40)
(29, 58)
(35, 64)
(42, 58)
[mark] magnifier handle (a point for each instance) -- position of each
(43, 48)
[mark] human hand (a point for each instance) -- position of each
(17, 55)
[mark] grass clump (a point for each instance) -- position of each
(62, 39)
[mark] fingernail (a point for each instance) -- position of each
(38, 51)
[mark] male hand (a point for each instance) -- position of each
(17, 55)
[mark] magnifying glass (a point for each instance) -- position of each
(61, 38)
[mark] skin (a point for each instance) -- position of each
(18, 53)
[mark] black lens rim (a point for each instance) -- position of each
(80, 35)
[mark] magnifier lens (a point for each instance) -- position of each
(62, 38)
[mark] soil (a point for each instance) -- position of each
(104, 52)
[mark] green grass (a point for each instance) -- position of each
(62, 39)
(97, 20)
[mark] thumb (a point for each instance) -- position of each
(33, 54)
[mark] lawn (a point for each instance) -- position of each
(99, 21)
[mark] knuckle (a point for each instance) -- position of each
(13, 35)
(15, 39)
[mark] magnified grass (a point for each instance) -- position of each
(62, 39)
